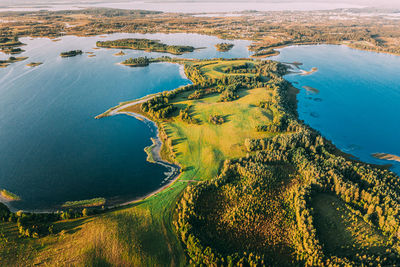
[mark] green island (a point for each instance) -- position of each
(9, 196)
(5, 63)
(94, 202)
(257, 187)
(34, 64)
(71, 53)
(224, 47)
(136, 62)
(147, 45)
(262, 53)
(120, 53)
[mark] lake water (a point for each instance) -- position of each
(52, 149)
(357, 106)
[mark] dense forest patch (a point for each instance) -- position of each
(342, 232)
(145, 44)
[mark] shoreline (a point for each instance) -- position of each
(175, 170)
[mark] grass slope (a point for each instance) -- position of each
(140, 234)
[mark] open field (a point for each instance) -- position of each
(201, 148)
(215, 69)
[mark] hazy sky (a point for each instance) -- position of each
(378, 3)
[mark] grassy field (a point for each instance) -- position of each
(215, 69)
(342, 233)
(201, 148)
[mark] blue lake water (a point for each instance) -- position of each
(358, 103)
(52, 149)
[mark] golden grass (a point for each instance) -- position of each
(201, 148)
(214, 69)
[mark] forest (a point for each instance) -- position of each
(136, 62)
(147, 45)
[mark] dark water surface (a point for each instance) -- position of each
(52, 149)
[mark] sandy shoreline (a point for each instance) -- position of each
(174, 171)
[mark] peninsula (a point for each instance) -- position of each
(136, 62)
(9, 196)
(266, 169)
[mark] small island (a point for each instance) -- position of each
(94, 202)
(146, 45)
(71, 53)
(5, 63)
(9, 196)
(386, 156)
(136, 62)
(120, 53)
(311, 89)
(265, 53)
(34, 64)
(224, 47)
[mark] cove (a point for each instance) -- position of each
(52, 149)
(357, 103)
